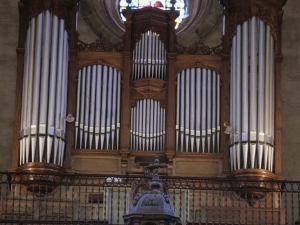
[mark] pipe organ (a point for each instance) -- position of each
(150, 95)
(44, 100)
(98, 108)
(198, 111)
(252, 96)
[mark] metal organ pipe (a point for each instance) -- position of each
(148, 117)
(252, 114)
(98, 106)
(44, 90)
(149, 57)
(197, 119)
(147, 126)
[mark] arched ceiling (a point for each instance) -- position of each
(103, 18)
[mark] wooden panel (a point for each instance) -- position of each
(113, 59)
(198, 166)
(95, 161)
(213, 62)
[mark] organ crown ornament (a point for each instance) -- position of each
(152, 206)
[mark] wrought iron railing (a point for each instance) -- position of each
(104, 199)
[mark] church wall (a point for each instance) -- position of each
(290, 82)
(9, 26)
(291, 90)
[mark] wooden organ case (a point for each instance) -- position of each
(156, 112)
(198, 108)
(110, 109)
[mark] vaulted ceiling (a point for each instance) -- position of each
(103, 18)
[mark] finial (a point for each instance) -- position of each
(155, 184)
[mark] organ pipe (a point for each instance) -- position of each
(197, 119)
(149, 57)
(97, 113)
(147, 126)
(252, 96)
(44, 91)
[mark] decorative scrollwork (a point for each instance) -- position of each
(99, 45)
(62, 9)
(150, 200)
(243, 14)
(199, 49)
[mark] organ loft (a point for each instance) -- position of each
(103, 108)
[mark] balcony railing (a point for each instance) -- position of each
(104, 199)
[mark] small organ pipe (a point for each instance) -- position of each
(45, 68)
(30, 72)
(156, 57)
(272, 93)
(198, 108)
(214, 111)
(208, 121)
(118, 107)
(261, 80)
(36, 73)
(82, 97)
(44, 82)
(218, 112)
(177, 115)
(87, 105)
(233, 88)
(245, 63)
(59, 78)
(237, 85)
(268, 81)
(192, 106)
(253, 79)
(93, 105)
(109, 112)
(36, 84)
(114, 107)
(98, 105)
(187, 110)
(53, 72)
(203, 111)
(182, 107)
